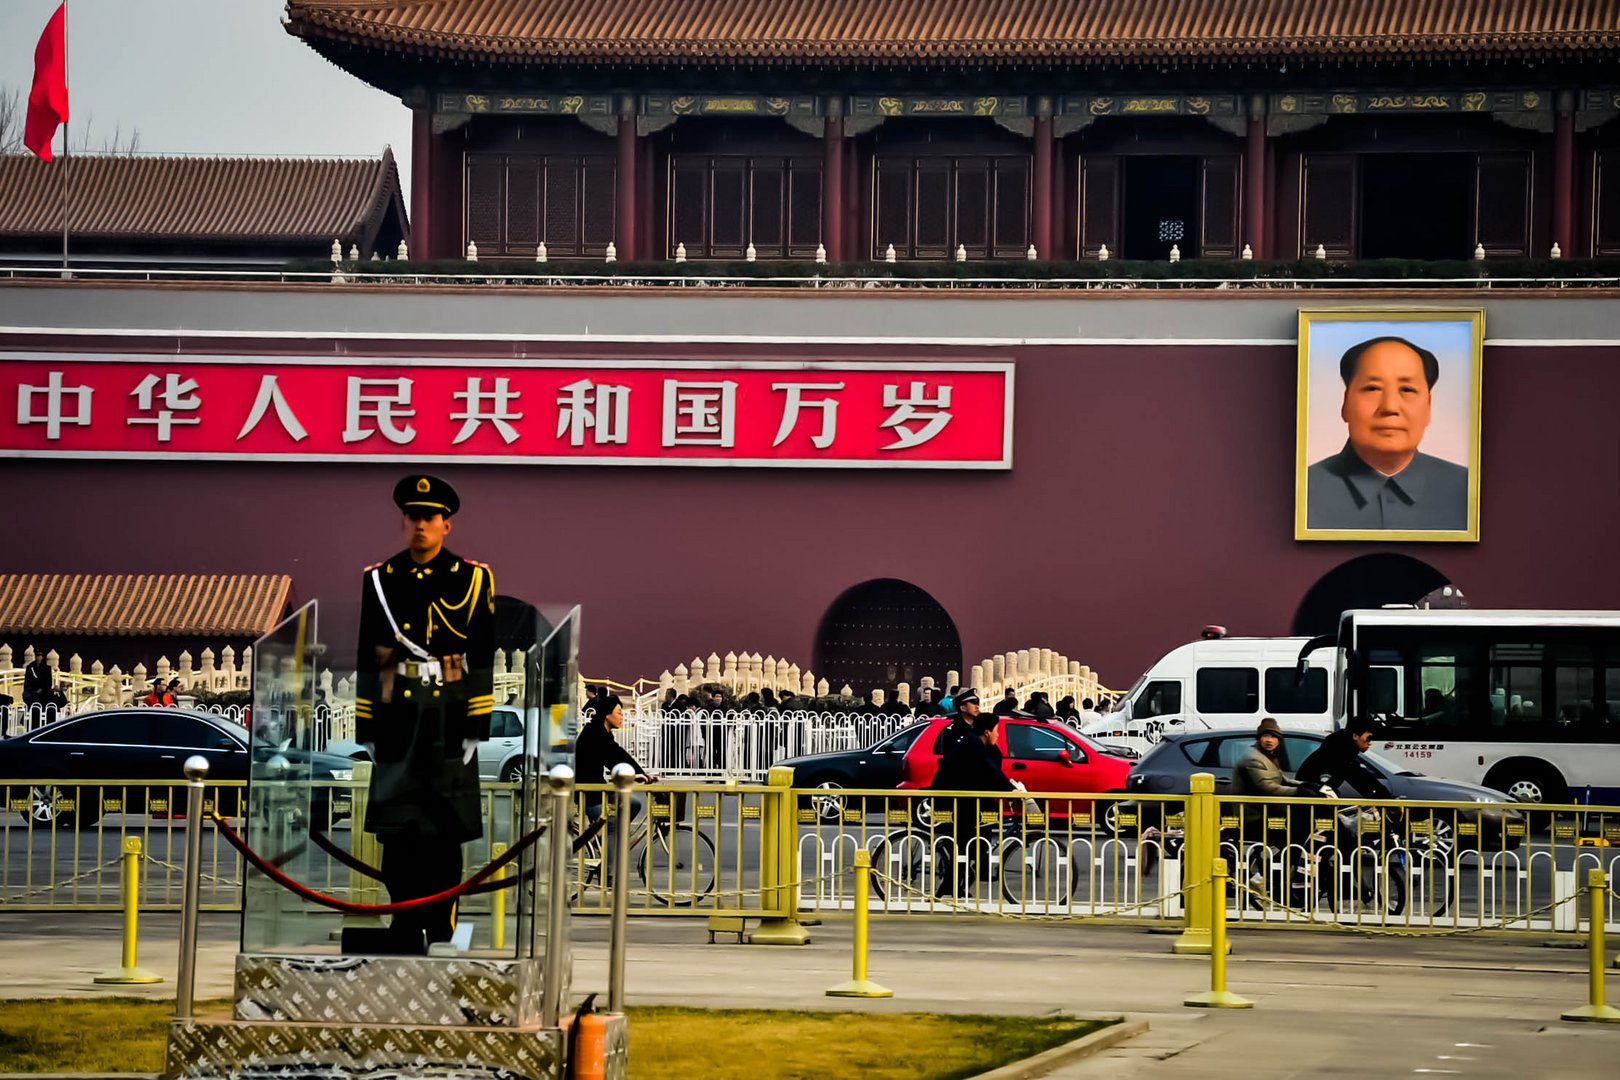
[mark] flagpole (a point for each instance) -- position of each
(63, 176)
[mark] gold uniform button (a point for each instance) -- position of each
(407, 626)
(407, 693)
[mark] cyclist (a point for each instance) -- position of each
(972, 763)
(596, 751)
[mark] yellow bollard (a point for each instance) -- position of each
(1595, 1011)
(779, 829)
(497, 915)
(860, 986)
(1218, 997)
(1201, 839)
(130, 883)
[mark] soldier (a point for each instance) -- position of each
(425, 674)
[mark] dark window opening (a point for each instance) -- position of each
(1228, 690)
(1285, 694)
(1367, 581)
(1161, 207)
(1417, 206)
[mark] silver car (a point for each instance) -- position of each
(500, 757)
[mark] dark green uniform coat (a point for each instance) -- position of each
(420, 788)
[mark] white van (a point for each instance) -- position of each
(1221, 683)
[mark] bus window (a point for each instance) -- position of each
(1542, 689)
(1383, 695)
(1444, 677)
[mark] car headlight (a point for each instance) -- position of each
(343, 774)
(1486, 798)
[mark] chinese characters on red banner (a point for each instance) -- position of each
(836, 414)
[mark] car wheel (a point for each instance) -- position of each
(1440, 842)
(512, 772)
(50, 805)
(922, 813)
(828, 805)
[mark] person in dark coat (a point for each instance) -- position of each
(425, 675)
(1008, 703)
(1339, 760)
(596, 752)
(972, 763)
(38, 680)
(961, 725)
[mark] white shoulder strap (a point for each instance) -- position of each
(415, 649)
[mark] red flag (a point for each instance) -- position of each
(48, 100)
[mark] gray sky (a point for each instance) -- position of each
(203, 77)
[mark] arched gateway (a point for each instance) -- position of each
(883, 632)
(1368, 581)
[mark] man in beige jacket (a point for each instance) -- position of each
(1258, 773)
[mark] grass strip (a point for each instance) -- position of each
(129, 1035)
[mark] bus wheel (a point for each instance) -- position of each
(1529, 782)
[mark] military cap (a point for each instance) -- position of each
(427, 493)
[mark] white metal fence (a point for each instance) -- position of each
(744, 745)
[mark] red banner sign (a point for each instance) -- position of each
(826, 415)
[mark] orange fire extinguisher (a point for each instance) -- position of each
(587, 1043)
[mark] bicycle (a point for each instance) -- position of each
(667, 855)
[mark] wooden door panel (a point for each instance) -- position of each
(1328, 210)
(1099, 204)
(1220, 192)
(1502, 202)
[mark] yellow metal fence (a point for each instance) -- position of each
(773, 852)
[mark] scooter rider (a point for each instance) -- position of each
(1338, 761)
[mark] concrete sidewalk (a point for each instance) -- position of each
(1326, 1004)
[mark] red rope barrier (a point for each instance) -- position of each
(298, 888)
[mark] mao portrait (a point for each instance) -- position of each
(1388, 440)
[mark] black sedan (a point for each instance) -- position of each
(875, 766)
(90, 753)
(1169, 767)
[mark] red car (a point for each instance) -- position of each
(1042, 755)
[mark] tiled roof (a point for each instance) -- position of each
(130, 605)
(282, 200)
(959, 31)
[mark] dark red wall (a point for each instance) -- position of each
(1151, 493)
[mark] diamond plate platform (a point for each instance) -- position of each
(229, 1049)
(414, 990)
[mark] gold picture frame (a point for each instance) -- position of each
(1377, 401)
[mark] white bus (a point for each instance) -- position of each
(1526, 702)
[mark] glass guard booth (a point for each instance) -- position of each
(310, 783)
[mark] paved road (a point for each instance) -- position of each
(1326, 1004)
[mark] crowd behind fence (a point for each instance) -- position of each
(772, 851)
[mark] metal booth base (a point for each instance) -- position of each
(326, 1017)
